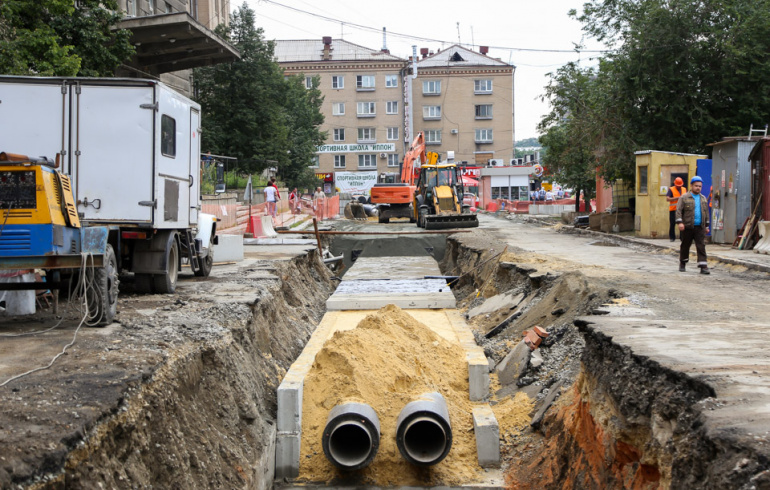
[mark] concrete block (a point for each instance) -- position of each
(625, 222)
(510, 369)
(287, 445)
(487, 436)
(290, 402)
(536, 359)
(266, 465)
(554, 392)
(404, 293)
(499, 301)
(478, 376)
(229, 248)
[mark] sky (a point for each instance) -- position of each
(519, 32)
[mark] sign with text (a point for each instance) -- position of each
(355, 182)
(356, 148)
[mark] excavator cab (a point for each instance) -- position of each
(438, 197)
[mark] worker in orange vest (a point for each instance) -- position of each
(672, 196)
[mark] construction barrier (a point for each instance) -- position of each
(763, 245)
(326, 208)
(261, 226)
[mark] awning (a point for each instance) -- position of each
(470, 181)
(173, 42)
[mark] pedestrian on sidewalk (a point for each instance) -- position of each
(692, 216)
(672, 196)
(294, 201)
(271, 198)
(318, 202)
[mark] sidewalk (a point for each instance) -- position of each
(721, 253)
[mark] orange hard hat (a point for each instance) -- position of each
(678, 181)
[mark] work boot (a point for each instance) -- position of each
(704, 270)
(681, 267)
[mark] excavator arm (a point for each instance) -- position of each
(416, 153)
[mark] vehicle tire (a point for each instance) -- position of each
(207, 262)
(103, 297)
(143, 283)
(421, 220)
(166, 283)
(383, 220)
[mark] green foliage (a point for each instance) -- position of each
(527, 143)
(53, 38)
(682, 74)
(252, 113)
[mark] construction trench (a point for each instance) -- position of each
(293, 377)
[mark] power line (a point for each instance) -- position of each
(427, 39)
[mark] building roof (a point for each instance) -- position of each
(457, 55)
(303, 50)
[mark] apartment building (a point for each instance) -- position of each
(363, 102)
(174, 36)
(463, 102)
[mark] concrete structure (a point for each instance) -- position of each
(732, 182)
(487, 432)
(229, 248)
(655, 173)
(463, 101)
(172, 37)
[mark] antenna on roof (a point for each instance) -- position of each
(384, 41)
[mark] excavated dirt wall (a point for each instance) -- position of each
(202, 412)
(622, 420)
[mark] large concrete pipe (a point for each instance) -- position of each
(351, 436)
(423, 432)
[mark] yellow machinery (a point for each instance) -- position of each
(438, 200)
(40, 229)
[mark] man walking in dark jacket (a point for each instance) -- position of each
(692, 217)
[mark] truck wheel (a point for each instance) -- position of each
(207, 262)
(103, 297)
(166, 283)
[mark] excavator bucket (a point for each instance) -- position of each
(448, 221)
(355, 210)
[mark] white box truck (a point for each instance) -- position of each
(131, 148)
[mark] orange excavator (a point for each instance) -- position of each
(394, 200)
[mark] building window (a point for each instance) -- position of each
(483, 136)
(151, 7)
(131, 8)
(339, 161)
(308, 82)
(433, 137)
(367, 161)
(364, 82)
(393, 134)
(482, 86)
(393, 160)
(484, 111)
(168, 136)
(314, 162)
(643, 189)
(365, 109)
(431, 87)
(366, 135)
(431, 112)
(339, 134)
(338, 81)
(391, 80)
(338, 109)
(168, 8)
(391, 107)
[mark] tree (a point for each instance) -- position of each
(566, 131)
(252, 113)
(683, 74)
(54, 38)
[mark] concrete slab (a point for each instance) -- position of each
(506, 300)
(404, 293)
(513, 365)
(229, 248)
(487, 434)
(369, 268)
(279, 241)
(287, 446)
